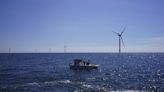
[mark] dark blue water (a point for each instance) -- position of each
(50, 73)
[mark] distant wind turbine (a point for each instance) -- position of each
(49, 50)
(65, 48)
(9, 50)
(120, 39)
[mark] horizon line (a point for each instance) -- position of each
(69, 52)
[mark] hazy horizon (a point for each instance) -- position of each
(73, 52)
(29, 26)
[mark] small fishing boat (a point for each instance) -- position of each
(80, 64)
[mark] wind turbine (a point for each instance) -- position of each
(120, 38)
(65, 48)
(9, 50)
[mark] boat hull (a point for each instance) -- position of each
(86, 67)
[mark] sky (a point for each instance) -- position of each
(81, 25)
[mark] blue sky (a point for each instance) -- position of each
(83, 25)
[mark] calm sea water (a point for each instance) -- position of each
(50, 73)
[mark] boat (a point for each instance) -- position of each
(80, 64)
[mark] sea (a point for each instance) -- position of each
(50, 72)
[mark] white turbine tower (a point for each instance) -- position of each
(120, 38)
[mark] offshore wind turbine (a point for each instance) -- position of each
(120, 39)
(9, 50)
(65, 48)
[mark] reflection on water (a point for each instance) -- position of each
(128, 72)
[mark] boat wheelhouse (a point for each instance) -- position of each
(80, 64)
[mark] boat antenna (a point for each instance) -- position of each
(120, 39)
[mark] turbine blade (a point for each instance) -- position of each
(123, 30)
(116, 33)
(122, 41)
